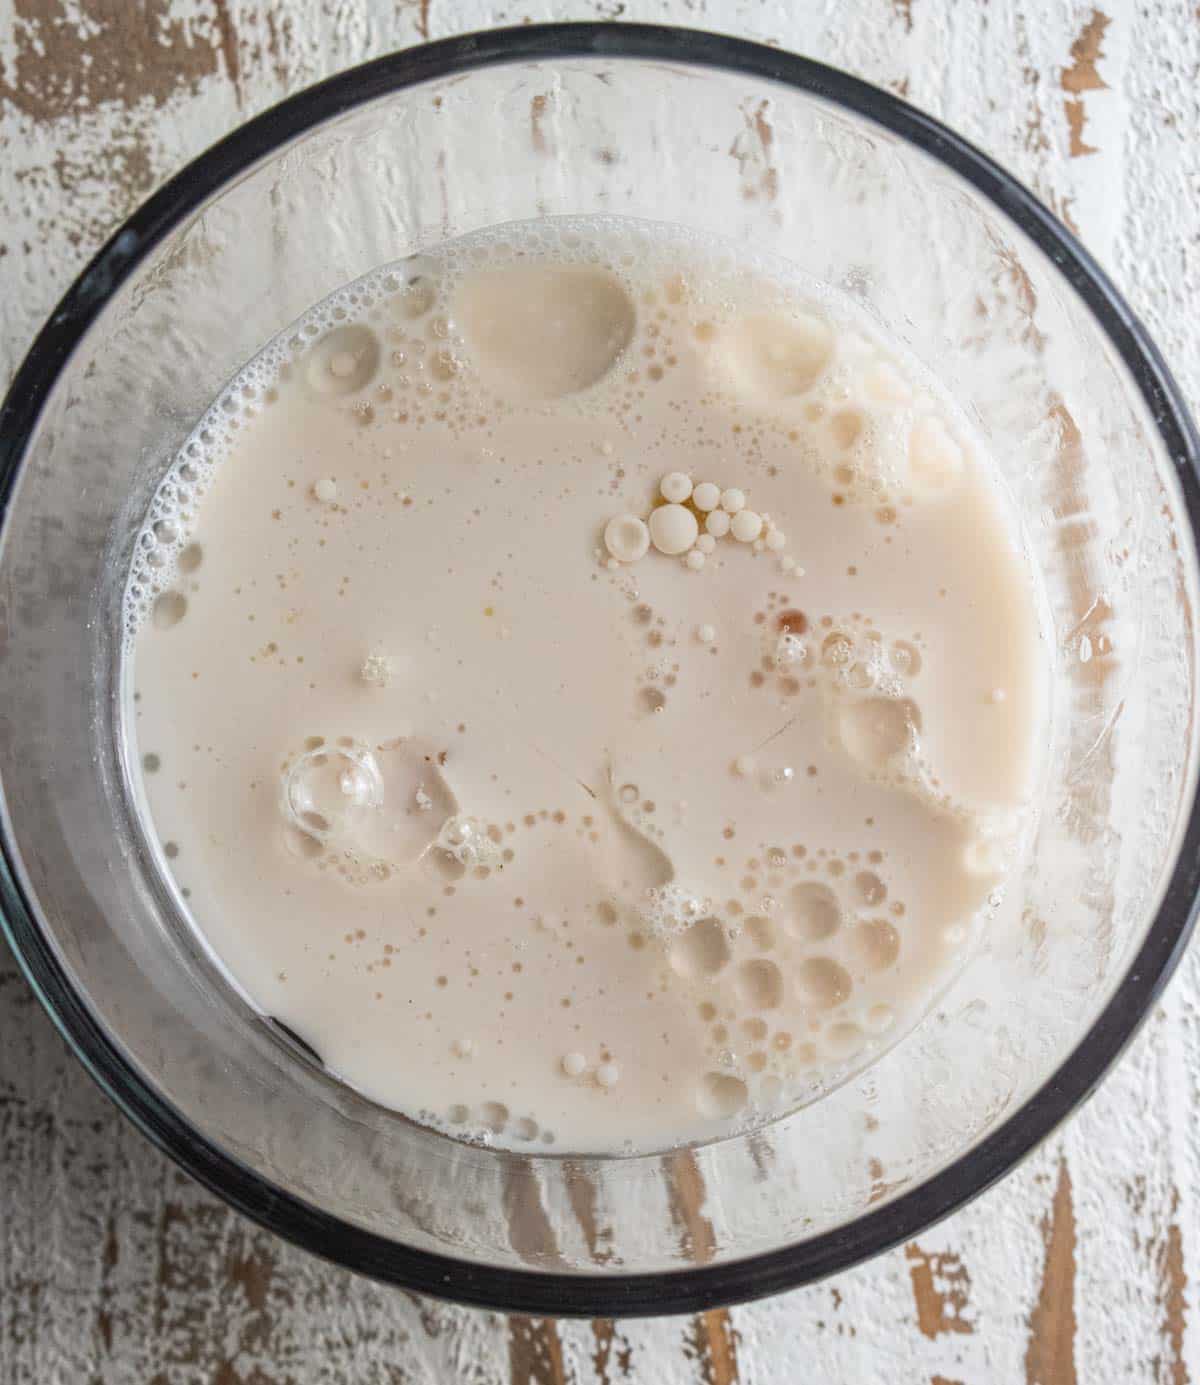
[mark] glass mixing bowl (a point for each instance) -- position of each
(952, 257)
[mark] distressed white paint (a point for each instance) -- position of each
(114, 1267)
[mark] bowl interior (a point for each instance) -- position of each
(765, 150)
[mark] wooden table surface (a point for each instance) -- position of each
(1083, 1265)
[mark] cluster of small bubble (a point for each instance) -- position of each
(410, 290)
(467, 842)
(170, 519)
(784, 971)
(485, 1123)
(882, 437)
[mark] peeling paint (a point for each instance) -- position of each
(941, 1289)
(612, 1358)
(1082, 76)
(1173, 1282)
(1050, 1354)
(711, 1343)
(71, 57)
(535, 1355)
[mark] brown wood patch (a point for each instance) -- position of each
(1172, 1294)
(535, 1352)
(941, 1290)
(711, 1341)
(1050, 1355)
(1080, 77)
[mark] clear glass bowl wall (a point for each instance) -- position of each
(942, 269)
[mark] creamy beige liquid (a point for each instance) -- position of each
(530, 833)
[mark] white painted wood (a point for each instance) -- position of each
(1081, 1266)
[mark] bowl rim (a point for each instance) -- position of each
(698, 1287)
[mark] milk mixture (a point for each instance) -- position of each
(586, 685)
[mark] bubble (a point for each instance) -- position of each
(761, 932)
(323, 789)
(673, 529)
(720, 1095)
(844, 1039)
(755, 1028)
(376, 670)
(746, 526)
(494, 1115)
(701, 951)
(416, 298)
(906, 659)
(837, 649)
(871, 890)
(543, 331)
(876, 729)
(675, 486)
(169, 610)
(813, 913)
(759, 984)
(574, 1064)
(465, 841)
(789, 650)
(344, 361)
(525, 1129)
(706, 497)
(627, 538)
(847, 427)
(875, 944)
(458, 1114)
(824, 982)
(774, 358)
(191, 558)
(653, 699)
(671, 908)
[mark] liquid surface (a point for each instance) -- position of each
(586, 687)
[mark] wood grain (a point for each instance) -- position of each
(1080, 1267)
